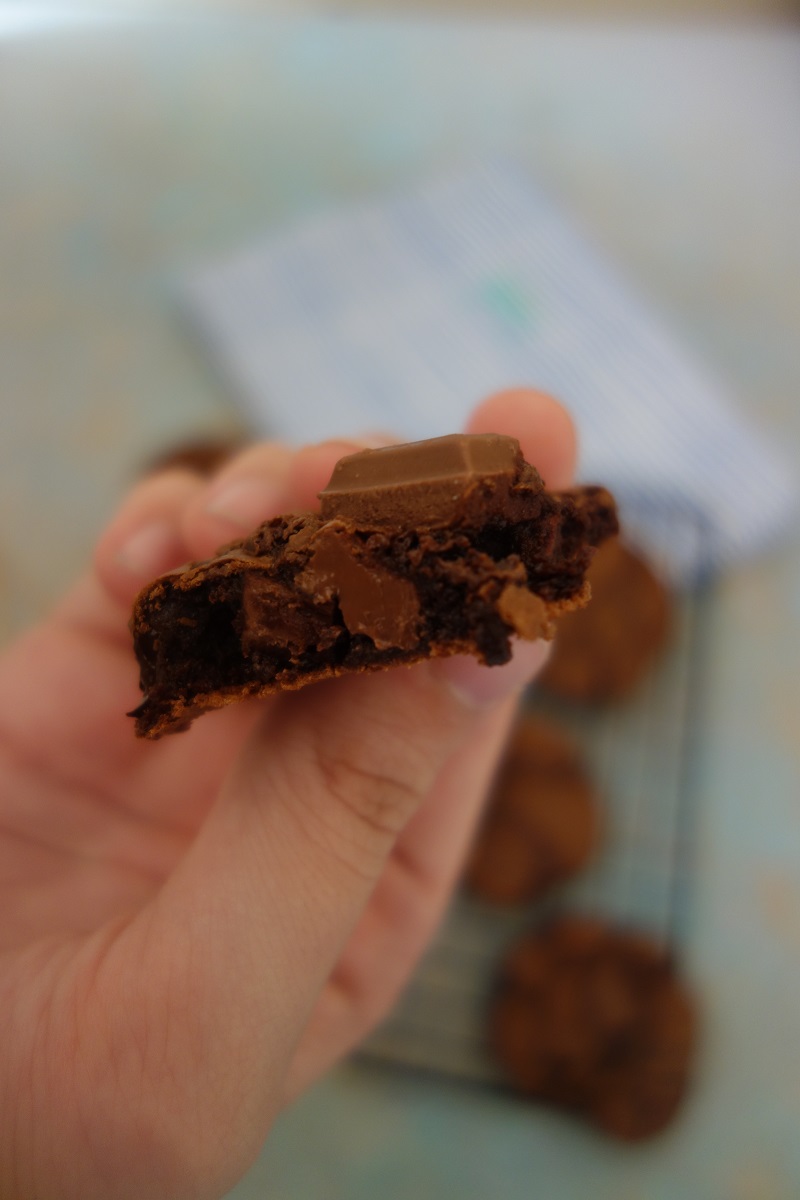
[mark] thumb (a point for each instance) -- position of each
(313, 806)
(246, 931)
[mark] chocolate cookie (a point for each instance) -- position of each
(203, 455)
(448, 546)
(603, 652)
(543, 820)
(595, 1019)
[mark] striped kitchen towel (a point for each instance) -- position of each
(401, 313)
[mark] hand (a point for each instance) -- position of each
(193, 930)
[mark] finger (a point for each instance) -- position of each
(405, 908)
(254, 917)
(144, 539)
(248, 490)
(543, 426)
(313, 466)
(67, 684)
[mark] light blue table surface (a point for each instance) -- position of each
(126, 155)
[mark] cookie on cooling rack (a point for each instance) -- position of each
(595, 1019)
(543, 821)
(603, 652)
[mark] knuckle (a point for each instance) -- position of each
(379, 798)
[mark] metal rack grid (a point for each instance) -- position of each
(642, 756)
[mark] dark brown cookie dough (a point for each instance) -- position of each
(603, 652)
(449, 546)
(542, 823)
(595, 1019)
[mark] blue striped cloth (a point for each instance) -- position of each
(402, 313)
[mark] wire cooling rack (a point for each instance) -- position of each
(642, 756)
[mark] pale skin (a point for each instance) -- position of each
(194, 930)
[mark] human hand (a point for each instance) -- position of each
(193, 930)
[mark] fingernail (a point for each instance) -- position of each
(245, 503)
(151, 550)
(482, 687)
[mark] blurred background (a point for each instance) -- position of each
(140, 146)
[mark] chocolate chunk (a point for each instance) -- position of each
(274, 616)
(443, 547)
(426, 483)
(584, 1019)
(373, 600)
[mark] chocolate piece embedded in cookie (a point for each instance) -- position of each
(595, 1019)
(449, 546)
(542, 824)
(603, 652)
